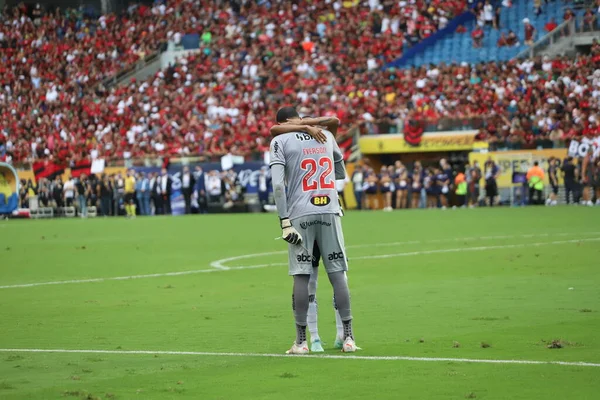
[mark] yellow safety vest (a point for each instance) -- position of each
(461, 189)
(536, 183)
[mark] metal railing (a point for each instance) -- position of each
(133, 69)
(565, 29)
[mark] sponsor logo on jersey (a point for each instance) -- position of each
(306, 224)
(335, 256)
(303, 258)
(320, 201)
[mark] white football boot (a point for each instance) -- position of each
(349, 346)
(298, 348)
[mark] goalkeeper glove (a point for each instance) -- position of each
(290, 234)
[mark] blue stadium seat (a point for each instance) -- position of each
(458, 47)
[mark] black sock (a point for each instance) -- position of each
(348, 329)
(300, 334)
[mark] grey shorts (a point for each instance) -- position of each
(324, 230)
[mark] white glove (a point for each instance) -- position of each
(290, 234)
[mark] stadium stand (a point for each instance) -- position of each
(458, 46)
(52, 105)
(221, 99)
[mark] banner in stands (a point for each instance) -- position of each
(517, 161)
(9, 189)
(391, 144)
(50, 169)
(579, 148)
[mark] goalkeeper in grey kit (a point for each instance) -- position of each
(309, 213)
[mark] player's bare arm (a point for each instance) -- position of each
(330, 123)
(313, 131)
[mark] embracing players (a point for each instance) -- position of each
(310, 217)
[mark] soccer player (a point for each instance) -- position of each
(309, 213)
(310, 126)
(130, 194)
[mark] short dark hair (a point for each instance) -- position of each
(536, 163)
(286, 113)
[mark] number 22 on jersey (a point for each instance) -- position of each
(324, 181)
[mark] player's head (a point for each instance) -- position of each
(285, 113)
(535, 163)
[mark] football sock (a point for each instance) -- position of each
(133, 210)
(127, 209)
(311, 318)
(300, 305)
(348, 329)
(300, 334)
(312, 305)
(342, 299)
(339, 326)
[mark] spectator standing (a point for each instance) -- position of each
(443, 186)
(370, 190)
(139, 196)
(488, 13)
(597, 181)
(263, 187)
(569, 171)
(430, 189)
(589, 21)
(461, 189)
(156, 191)
(492, 172)
(417, 189)
(474, 184)
(535, 180)
(200, 190)
(82, 193)
(357, 185)
(553, 180)
(146, 194)
(69, 192)
(401, 183)
(187, 187)
(214, 187)
(497, 14)
(58, 192)
(105, 193)
(587, 177)
(386, 188)
(537, 7)
(130, 194)
(118, 194)
(529, 32)
(165, 191)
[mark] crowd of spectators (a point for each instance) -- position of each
(254, 56)
(153, 192)
(325, 56)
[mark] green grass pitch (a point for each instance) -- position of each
(487, 284)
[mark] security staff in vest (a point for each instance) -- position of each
(460, 182)
(535, 179)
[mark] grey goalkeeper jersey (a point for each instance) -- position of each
(309, 172)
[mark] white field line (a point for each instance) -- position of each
(379, 256)
(219, 264)
(324, 356)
